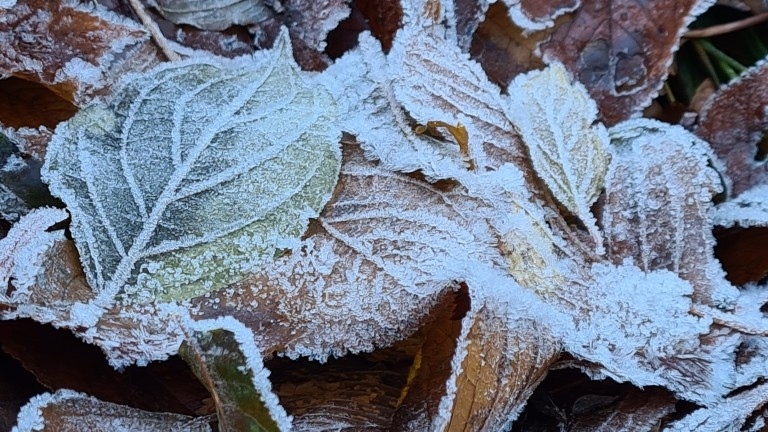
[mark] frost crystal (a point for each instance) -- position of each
(195, 174)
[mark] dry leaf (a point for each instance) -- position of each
(370, 270)
(658, 194)
(732, 122)
(21, 251)
(70, 411)
(621, 50)
(77, 52)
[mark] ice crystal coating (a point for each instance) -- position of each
(568, 152)
(659, 167)
(195, 174)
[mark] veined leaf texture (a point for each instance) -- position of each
(195, 173)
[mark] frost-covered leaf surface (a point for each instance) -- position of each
(568, 152)
(733, 121)
(660, 167)
(78, 50)
(213, 15)
(750, 209)
(219, 194)
(372, 267)
(448, 252)
(70, 411)
(621, 50)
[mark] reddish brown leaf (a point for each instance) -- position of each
(656, 166)
(384, 18)
(69, 411)
(743, 253)
(501, 47)
(733, 122)
(621, 50)
(73, 51)
(634, 411)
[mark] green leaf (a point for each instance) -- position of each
(227, 364)
(195, 174)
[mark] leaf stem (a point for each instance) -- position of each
(154, 30)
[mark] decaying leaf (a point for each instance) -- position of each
(502, 48)
(568, 152)
(77, 51)
(70, 411)
(223, 191)
(214, 15)
(22, 248)
(222, 355)
(658, 194)
(370, 270)
(621, 50)
(733, 121)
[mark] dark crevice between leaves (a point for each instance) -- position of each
(742, 253)
(17, 385)
(27, 104)
(569, 398)
(59, 360)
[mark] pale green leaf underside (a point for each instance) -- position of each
(195, 174)
(568, 151)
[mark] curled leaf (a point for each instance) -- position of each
(195, 174)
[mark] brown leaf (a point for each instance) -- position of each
(70, 411)
(502, 48)
(655, 209)
(634, 411)
(621, 50)
(502, 365)
(384, 249)
(733, 122)
(418, 407)
(73, 51)
(162, 386)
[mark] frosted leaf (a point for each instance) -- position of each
(383, 250)
(222, 355)
(70, 411)
(730, 414)
(195, 174)
(621, 50)
(639, 328)
(78, 51)
(733, 121)
(22, 249)
(214, 15)
(492, 345)
(423, 79)
(568, 151)
(750, 209)
(658, 193)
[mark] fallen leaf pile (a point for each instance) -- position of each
(348, 215)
